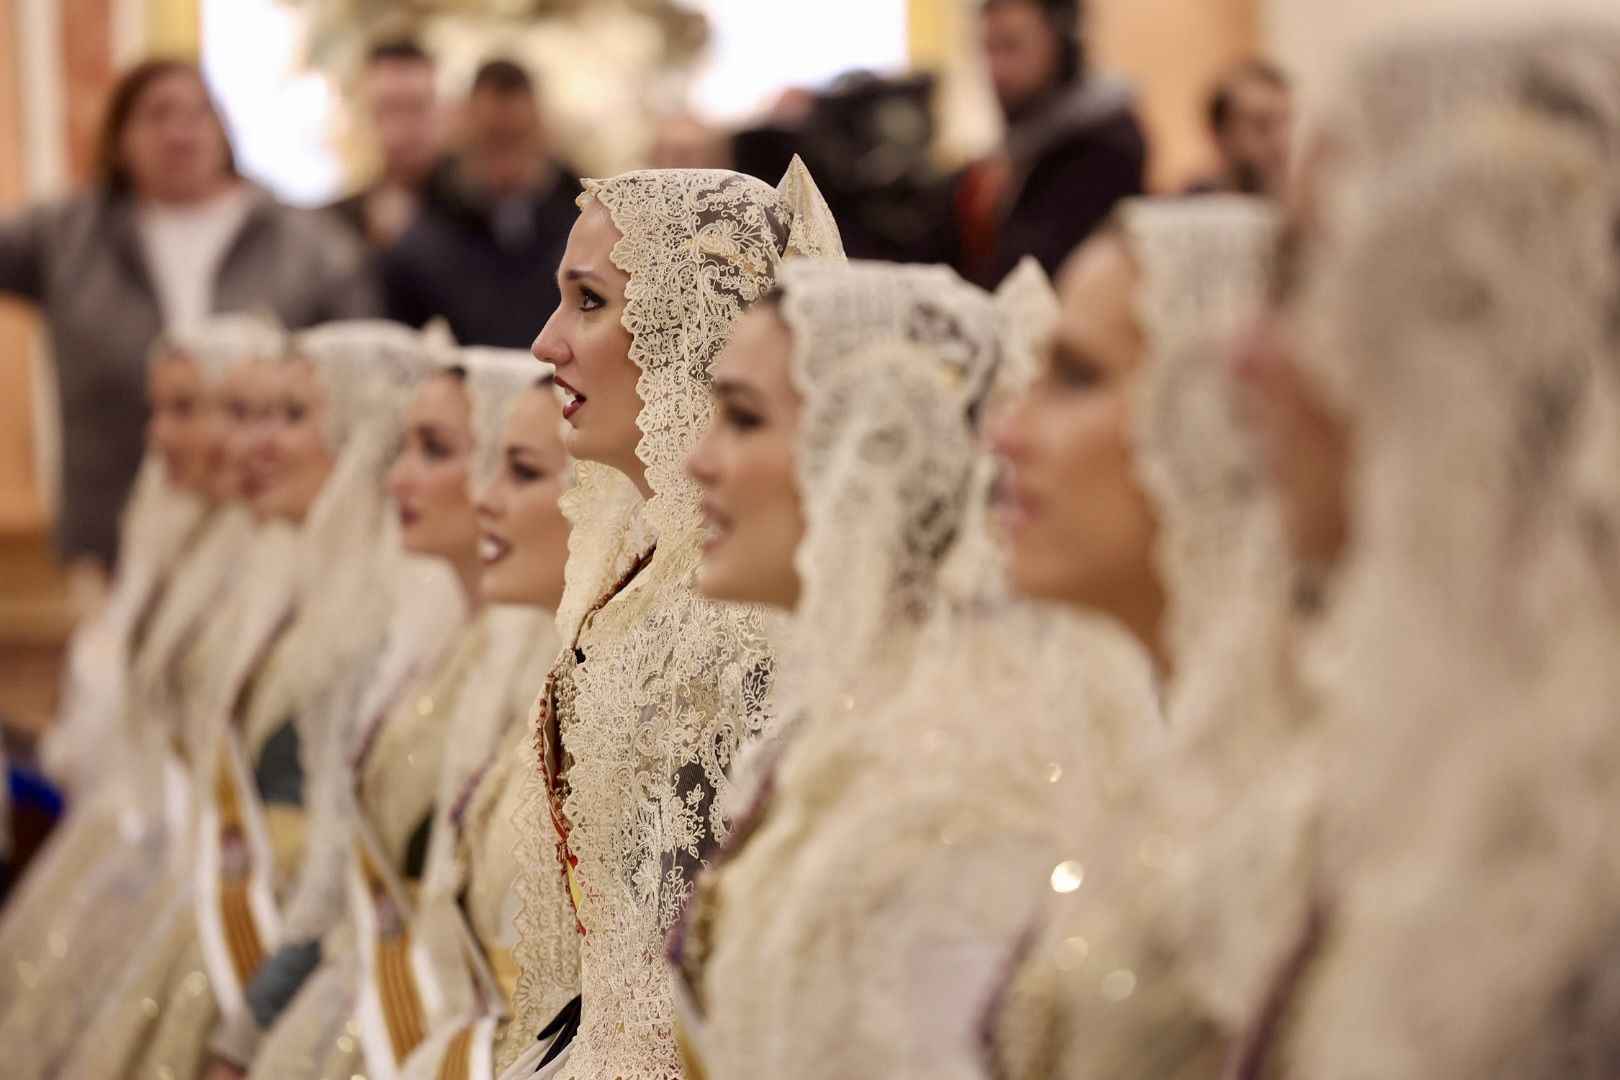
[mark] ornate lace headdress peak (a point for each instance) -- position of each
(891, 364)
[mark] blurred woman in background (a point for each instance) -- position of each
(467, 918)
(168, 233)
(1134, 492)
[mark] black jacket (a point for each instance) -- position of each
(493, 289)
(1070, 164)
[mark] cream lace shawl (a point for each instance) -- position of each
(671, 685)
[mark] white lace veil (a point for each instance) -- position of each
(673, 684)
(366, 614)
(494, 378)
(942, 734)
(159, 522)
(1463, 311)
(1190, 888)
(889, 362)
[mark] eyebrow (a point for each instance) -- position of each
(734, 388)
(573, 273)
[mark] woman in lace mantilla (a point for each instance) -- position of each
(1134, 492)
(366, 1004)
(466, 919)
(655, 690)
(1453, 322)
(844, 481)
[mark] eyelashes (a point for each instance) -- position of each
(589, 300)
(741, 419)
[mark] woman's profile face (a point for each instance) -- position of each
(523, 535)
(1081, 530)
(430, 481)
(184, 428)
(173, 146)
(290, 455)
(746, 464)
(588, 345)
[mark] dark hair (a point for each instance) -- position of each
(1064, 17)
(111, 172)
(400, 49)
(1222, 100)
(502, 77)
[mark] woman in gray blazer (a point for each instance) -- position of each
(168, 233)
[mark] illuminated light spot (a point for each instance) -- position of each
(1067, 876)
(149, 1006)
(849, 703)
(345, 1044)
(196, 983)
(1054, 773)
(1118, 985)
(424, 706)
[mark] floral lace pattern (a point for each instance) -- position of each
(813, 950)
(669, 686)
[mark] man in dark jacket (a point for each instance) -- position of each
(1073, 147)
(400, 100)
(485, 255)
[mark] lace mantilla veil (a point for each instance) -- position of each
(1184, 898)
(366, 614)
(159, 526)
(671, 685)
(896, 786)
(1463, 313)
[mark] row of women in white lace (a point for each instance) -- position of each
(1379, 844)
(1246, 892)
(371, 976)
(294, 640)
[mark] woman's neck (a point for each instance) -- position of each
(468, 571)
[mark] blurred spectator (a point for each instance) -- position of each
(400, 102)
(682, 141)
(1249, 113)
(1073, 146)
(168, 233)
(485, 255)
